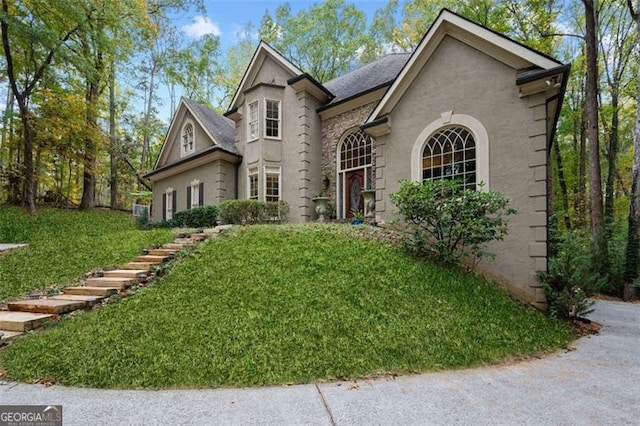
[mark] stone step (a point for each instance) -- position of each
(46, 306)
(199, 237)
(161, 252)
(138, 266)
(7, 334)
(121, 283)
(21, 321)
(150, 259)
(90, 300)
(125, 273)
(175, 247)
(91, 291)
(184, 241)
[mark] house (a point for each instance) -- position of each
(467, 103)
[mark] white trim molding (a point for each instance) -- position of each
(449, 119)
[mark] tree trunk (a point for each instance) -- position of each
(612, 159)
(113, 182)
(595, 184)
(581, 204)
(564, 193)
(29, 136)
(89, 177)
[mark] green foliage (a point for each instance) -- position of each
(65, 244)
(238, 312)
(248, 212)
(323, 40)
(571, 278)
(451, 223)
(198, 217)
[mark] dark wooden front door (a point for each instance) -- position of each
(353, 194)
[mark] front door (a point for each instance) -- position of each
(353, 192)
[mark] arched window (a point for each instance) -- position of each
(455, 146)
(355, 161)
(187, 139)
(450, 153)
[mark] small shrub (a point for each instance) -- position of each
(198, 217)
(249, 212)
(451, 223)
(571, 279)
(142, 221)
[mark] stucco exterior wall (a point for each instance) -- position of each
(200, 138)
(219, 185)
(461, 79)
(297, 152)
(333, 130)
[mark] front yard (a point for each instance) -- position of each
(65, 244)
(287, 304)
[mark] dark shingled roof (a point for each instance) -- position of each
(219, 126)
(526, 75)
(375, 74)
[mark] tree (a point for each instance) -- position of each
(633, 239)
(591, 106)
(324, 41)
(39, 32)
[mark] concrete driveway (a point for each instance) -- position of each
(598, 383)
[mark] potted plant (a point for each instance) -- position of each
(358, 217)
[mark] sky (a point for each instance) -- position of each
(226, 19)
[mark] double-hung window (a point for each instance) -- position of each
(272, 184)
(272, 115)
(253, 183)
(254, 126)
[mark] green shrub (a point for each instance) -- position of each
(571, 278)
(142, 221)
(198, 217)
(451, 223)
(247, 212)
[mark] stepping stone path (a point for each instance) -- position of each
(24, 315)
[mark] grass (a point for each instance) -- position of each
(64, 244)
(288, 304)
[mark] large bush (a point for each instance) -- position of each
(451, 223)
(572, 277)
(197, 217)
(246, 212)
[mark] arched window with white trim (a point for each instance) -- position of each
(187, 145)
(355, 166)
(455, 146)
(450, 154)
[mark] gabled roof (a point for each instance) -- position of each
(262, 52)
(375, 74)
(220, 129)
(501, 48)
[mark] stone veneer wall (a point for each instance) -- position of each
(332, 130)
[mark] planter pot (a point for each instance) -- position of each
(369, 202)
(357, 222)
(322, 207)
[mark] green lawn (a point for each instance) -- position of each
(289, 304)
(64, 244)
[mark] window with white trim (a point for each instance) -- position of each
(272, 119)
(454, 146)
(253, 123)
(272, 184)
(195, 194)
(450, 153)
(169, 203)
(188, 143)
(253, 183)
